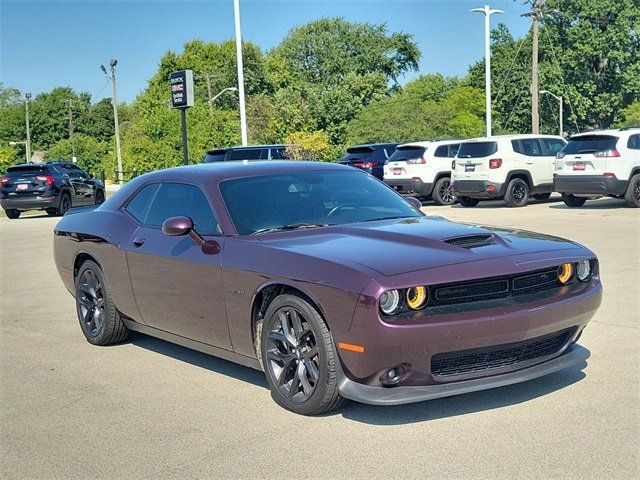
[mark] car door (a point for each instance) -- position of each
(177, 286)
(77, 180)
(536, 162)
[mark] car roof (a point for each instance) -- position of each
(495, 138)
(427, 143)
(610, 131)
(245, 147)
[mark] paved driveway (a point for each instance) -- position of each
(149, 409)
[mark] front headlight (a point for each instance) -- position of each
(583, 270)
(390, 302)
(565, 273)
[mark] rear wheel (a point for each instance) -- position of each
(13, 214)
(52, 211)
(517, 193)
(443, 192)
(298, 356)
(99, 319)
(467, 201)
(573, 201)
(632, 197)
(542, 196)
(65, 204)
(99, 198)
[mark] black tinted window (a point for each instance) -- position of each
(26, 171)
(278, 154)
(138, 206)
(477, 149)
(246, 154)
(215, 156)
(590, 144)
(177, 199)
(553, 145)
(448, 151)
(407, 153)
(634, 142)
(529, 146)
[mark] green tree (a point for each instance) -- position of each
(630, 115)
(90, 153)
(8, 156)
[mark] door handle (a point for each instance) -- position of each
(138, 242)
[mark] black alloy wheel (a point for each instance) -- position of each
(517, 193)
(91, 302)
(65, 204)
(99, 198)
(297, 353)
(443, 192)
(632, 195)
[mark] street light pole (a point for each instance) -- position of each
(243, 113)
(112, 63)
(487, 11)
(27, 97)
(561, 113)
(13, 144)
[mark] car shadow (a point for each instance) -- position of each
(380, 415)
(34, 216)
(199, 359)
(502, 204)
(600, 204)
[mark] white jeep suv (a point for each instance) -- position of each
(600, 163)
(512, 167)
(423, 169)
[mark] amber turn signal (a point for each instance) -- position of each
(417, 297)
(565, 272)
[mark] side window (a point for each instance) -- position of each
(138, 206)
(453, 149)
(634, 142)
(553, 145)
(441, 151)
(278, 154)
(178, 199)
(528, 146)
(245, 154)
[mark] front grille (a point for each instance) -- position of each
(494, 287)
(471, 241)
(466, 362)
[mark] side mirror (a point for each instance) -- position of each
(414, 202)
(177, 226)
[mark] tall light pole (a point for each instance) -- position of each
(561, 102)
(13, 144)
(487, 60)
(27, 144)
(112, 63)
(243, 113)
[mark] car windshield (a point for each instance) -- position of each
(309, 199)
(407, 153)
(590, 144)
(477, 149)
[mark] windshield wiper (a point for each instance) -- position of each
(294, 226)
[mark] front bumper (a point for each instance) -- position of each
(589, 185)
(410, 186)
(29, 203)
(478, 189)
(574, 356)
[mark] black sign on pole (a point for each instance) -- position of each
(182, 98)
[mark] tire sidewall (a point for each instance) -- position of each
(629, 196)
(326, 354)
(61, 209)
(510, 200)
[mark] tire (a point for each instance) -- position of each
(572, 201)
(306, 352)
(467, 201)
(13, 214)
(52, 211)
(65, 204)
(632, 196)
(99, 319)
(99, 197)
(517, 193)
(542, 196)
(443, 192)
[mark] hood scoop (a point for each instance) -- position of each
(471, 241)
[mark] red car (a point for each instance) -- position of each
(325, 278)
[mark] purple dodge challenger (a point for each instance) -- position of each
(329, 281)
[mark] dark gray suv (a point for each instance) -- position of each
(253, 152)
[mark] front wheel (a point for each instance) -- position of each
(632, 196)
(65, 204)
(13, 214)
(99, 319)
(573, 201)
(443, 192)
(468, 201)
(298, 356)
(517, 193)
(99, 197)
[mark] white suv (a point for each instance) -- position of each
(597, 164)
(423, 169)
(512, 167)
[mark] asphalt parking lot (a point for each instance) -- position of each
(149, 409)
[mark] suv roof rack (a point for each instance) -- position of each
(630, 127)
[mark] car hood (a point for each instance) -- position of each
(393, 247)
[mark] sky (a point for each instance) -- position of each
(45, 44)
